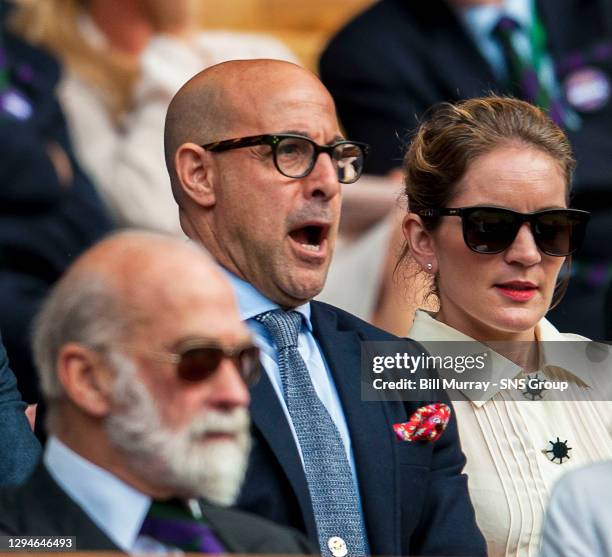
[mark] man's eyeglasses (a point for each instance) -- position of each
(490, 230)
(198, 359)
(295, 155)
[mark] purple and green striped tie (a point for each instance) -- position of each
(524, 81)
(171, 523)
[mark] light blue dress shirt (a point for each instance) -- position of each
(251, 303)
(579, 517)
(116, 508)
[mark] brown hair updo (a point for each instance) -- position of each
(454, 135)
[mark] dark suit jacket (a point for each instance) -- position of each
(44, 225)
(414, 497)
(41, 508)
(398, 58)
(19, 449)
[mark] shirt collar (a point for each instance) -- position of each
(567, 352)
(251, 302)
(480, 20)
(115, 507)
(564, 356)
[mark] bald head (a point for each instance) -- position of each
(273, 228)
(139, 267)
(123, 284)
(126, 346)
(212, 104)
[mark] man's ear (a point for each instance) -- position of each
(195, 173)
(86, 378)
(421, 243)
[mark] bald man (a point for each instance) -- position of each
(256, 162)
(146, 384)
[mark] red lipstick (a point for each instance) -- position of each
(517, 290)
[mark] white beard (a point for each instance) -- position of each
(184, 459)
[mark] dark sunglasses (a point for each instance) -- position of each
(198, 359)
(489, 230)
(295, 155)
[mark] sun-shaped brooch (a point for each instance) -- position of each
(535, 388)
(559, 450)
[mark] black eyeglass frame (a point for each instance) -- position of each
(273, 140)
(176, 356)
(520, 219)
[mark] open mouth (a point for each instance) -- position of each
(311, 237)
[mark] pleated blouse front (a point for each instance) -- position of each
(505, 440)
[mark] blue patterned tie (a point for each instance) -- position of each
(332, 491)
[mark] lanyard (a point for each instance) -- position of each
(4, 69)
(537, 38)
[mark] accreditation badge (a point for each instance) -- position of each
(587, 89)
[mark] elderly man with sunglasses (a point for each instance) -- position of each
(146, 385)
(257, 162)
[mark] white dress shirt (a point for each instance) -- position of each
(115, 507)
(503, 438)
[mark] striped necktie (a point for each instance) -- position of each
(171, 523)
(524, 81)
(334, 499)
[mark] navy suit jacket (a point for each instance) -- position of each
(394, 61)
(19, 449)
(414, 496)
(44, 224)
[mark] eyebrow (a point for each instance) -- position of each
(306, 134)
(247, 339)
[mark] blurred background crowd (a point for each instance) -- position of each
(85, 86)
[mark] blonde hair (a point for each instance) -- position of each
(54, 24)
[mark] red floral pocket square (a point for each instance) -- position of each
(426, 424)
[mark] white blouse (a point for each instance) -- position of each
(505, 438)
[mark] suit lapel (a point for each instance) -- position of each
(51, 512)
(460, 65)
(369, 429)
(268, 416)
(223, 531)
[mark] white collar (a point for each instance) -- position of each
(568, 357)
(115, 507)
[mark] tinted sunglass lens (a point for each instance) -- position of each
(489, 230)
(199, 363)
(559, 233)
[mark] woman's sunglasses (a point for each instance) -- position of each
(489, 230)
(198, 359)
